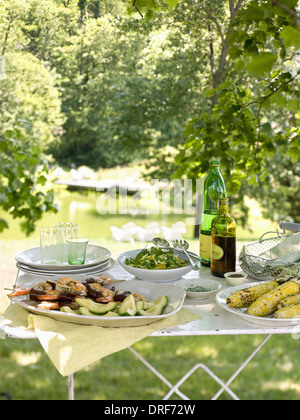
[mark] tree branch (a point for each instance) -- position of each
(137, 9)
(259, 101)
(286, 9)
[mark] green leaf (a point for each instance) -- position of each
(261, 64)
(3, 145)
(291, 37)
(3, 224)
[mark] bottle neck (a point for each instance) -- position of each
(214, 169)
(223, 208)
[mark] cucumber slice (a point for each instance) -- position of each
(128, 307)
(68, 310)
(96, 308)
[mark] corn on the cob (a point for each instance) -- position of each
(288, 312)
(267, 304)
(245, 297)
(291, 300)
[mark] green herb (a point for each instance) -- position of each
(156, 259)
(198, 289)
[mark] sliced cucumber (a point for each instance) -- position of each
(128, 306)
(96, 308)
(68, 310)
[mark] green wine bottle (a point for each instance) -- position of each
(223, 235)
(214, 189)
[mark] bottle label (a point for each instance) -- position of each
(216, 252)
(205, 246)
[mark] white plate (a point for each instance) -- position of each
(212, 285)
(98, 268)
(157, 276)
(94, 255)
(221, 299)
(150, 290)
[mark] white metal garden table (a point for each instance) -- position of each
(214, 321)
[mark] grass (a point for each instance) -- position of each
(28, 374)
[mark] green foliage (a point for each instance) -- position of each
(29, 92)
(102, 87)
(147, 8)
(23, 172)
(254, 126)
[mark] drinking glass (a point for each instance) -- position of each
(67, 231)
(51, 246)
(77, 250)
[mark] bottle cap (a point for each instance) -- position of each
(215, 163)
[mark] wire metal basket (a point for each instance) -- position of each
(263, 268)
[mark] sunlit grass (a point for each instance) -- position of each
(27, 373)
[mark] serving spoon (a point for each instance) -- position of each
(163, 243)
(183, 246)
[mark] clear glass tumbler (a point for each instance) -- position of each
(67, 231)
(51, 246)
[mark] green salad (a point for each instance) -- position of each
(156, 259)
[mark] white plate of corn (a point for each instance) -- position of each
(270, 303)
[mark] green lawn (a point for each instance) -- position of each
(27, 373)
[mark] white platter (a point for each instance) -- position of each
(157, 276)
(221, 299)
(98, 268)
(152, 291)
(94, 255)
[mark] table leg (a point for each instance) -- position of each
(207, 370)
(241, 368)
(174, 389)
(159, 375)
(71, 388)
(224, 386)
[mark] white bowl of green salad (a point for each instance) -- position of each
(155, 264)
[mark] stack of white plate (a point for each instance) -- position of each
(98, 260)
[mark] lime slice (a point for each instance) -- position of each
(128, 306)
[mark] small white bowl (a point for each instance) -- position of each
(235, 281)
(212, 285)
(157, 276)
